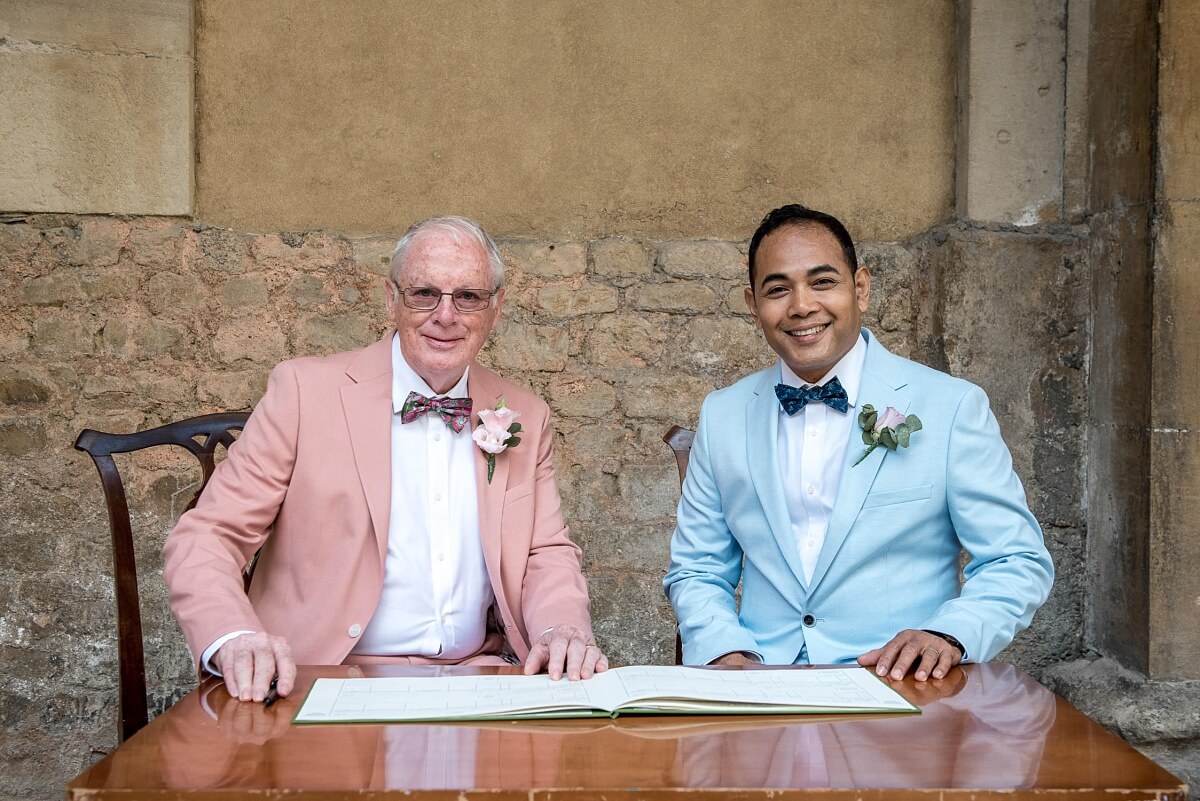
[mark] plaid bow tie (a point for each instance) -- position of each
(455, 411)
(793, 399)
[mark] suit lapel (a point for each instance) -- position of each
(484, 389)
(881, 388)
(762, 453)
(367, 404)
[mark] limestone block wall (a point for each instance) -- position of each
(125, 323)
(95, 106)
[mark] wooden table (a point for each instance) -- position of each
(985, 732)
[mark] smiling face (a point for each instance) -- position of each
(439, 344)
(807, 299)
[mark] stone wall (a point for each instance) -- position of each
(121, 324)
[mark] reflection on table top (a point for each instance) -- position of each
(983, 728)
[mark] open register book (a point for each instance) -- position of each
(623, 691)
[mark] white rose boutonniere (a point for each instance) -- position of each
(892, 430)
(496, 433)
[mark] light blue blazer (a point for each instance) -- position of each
(891, 555)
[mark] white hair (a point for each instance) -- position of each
(459, 229)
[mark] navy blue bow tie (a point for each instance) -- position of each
(793, 399)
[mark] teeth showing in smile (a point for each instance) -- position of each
(816, 329)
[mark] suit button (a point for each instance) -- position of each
(354, 630)
(809, 621)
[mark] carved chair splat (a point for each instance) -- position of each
(201, 436)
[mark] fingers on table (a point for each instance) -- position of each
(251, 661)
(565, 650)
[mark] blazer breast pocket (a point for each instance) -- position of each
(519, 492)
(893, 497)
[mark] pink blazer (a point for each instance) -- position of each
(309, 482)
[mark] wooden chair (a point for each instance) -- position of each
(680, 440)
(201, 436)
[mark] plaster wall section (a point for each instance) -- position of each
(96, 106)
(1011, 135)
(574, 120)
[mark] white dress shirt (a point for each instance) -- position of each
(812, 449)
(436, 592)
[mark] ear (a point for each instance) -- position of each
(751, 305)
(862, 287)
(391, 294)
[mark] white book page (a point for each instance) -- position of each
(450, 697)
(852, 688)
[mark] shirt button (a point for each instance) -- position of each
(809, 621)
(811, 489)
(812, 433)
(354, 630)
(437, 437)
(441, 557)
(437, 496)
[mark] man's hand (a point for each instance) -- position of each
(565, 649)
(735, 658)
(249, 662)
(928, 653)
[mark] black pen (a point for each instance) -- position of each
(272, 696)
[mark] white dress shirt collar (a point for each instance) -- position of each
(848, 371)
(405, 380)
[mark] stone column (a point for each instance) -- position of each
(1174, 580)
(1012, 74)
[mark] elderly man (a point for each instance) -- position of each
(840, 485)
(389, 532)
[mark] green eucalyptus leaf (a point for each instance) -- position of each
(913, 422)
(887, 438)
(902, 434)
(512, 442)
(869, 438)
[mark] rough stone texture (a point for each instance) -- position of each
(986, 331)
(1161, 718)
(194, 318)
(96, 106)
(539, 125)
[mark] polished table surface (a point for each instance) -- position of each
(984, 731)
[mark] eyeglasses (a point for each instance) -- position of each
(427, 298)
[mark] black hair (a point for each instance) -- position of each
(798, 215)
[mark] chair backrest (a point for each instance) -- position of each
(680, 440)
(201, 436)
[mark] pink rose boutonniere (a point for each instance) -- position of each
(497, 433)
(892, 430)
